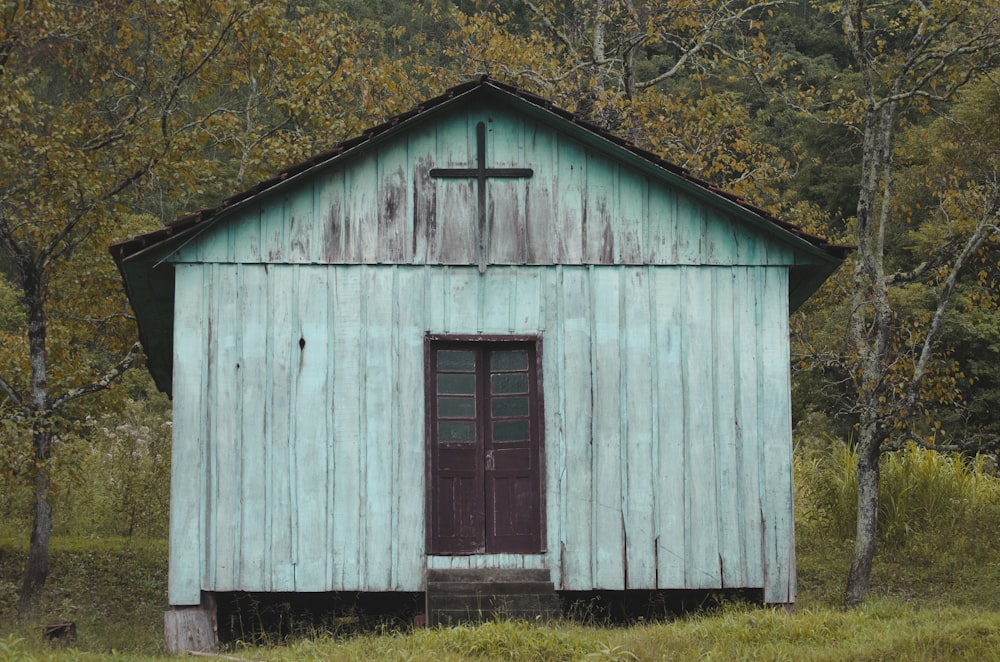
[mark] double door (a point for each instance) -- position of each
(484, 455)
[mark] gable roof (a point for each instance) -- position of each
(148, 277)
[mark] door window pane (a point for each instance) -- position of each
(512, 360)
(516, 382)
(456, 431)
(456, 407)
(457, 361)
(510, 431)
(517, 406)
(457, 383)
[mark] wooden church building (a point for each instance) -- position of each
(484, 337)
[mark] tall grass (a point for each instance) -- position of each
(924, 496)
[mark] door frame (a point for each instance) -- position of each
(429, 515)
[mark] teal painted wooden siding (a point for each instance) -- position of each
(299, 402)
(580, 207)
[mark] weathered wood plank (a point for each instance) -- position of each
(542, 243)
(312, 400)
(671, 416)
(187, 506)
(301, 222)
(348, 459)
(774, 418)
(601, 211)
(224, 412)
(633, 216)
(245, 236)
(331, 216)
(575, 377)
(689, 235)
(495, 293)
(282, 342)
(701, 516)
(462, 311)
(409, 447)
(607, 532)
(361, 181)
(571, 201)
(748, 439)
(454, 238)
(506, 197)
(253, 460)
(394, 243)
(421, 146)
(725, 378)
(638, 388)
(378, 374)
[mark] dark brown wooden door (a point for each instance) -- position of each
(485, 447)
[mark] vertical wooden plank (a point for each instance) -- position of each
(393, 204)
(721, 239)
(633, 216)
(661, 219)
(776, 432)
(550, 307)
(506, 197)
(208, 450)
(701, 516)
(282, 340)
(456, 217)
(273, 229)
(689, 236)
(301, 224)
(607, 533)
(309, 450)
(529, 302)
(379, 377)
(348, 460)
(541, 206)
(226, 449)
(253, 377)
(637, 441)
(728, 497)
(409, 392)
(187, 470)
(748, 440)
(497, 288)
(577, 421)
(571, 202)
(364, 195)
(462, 313)
(331, 215)
(671, 415)
(246, 236)
(600, 222)
(423, 191)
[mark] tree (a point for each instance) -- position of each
(657, 72)
(909, 58)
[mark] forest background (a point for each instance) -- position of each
(873, 124)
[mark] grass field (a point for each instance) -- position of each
(935, 595)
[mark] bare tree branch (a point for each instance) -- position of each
(103, 382)
(11, 392)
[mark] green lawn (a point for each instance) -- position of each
(922, 608)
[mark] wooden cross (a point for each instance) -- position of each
(481, 172)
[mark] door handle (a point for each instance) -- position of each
(489, 460)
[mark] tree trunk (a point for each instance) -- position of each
(37, 568)
(859, 577)
(870, 328)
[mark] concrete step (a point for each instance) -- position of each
(455, 596)
(497, 575)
